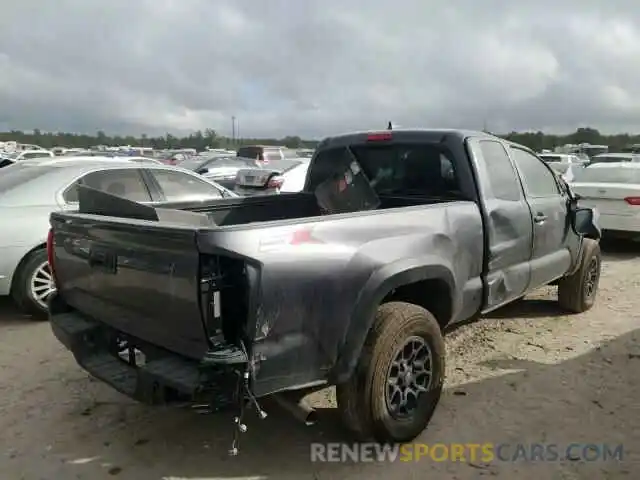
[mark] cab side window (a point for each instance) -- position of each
(538, 179)
(503, 179)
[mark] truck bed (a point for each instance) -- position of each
(172, 284)
(286, 206)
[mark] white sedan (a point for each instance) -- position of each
(613, 189)
(565, 164)
(277, 176)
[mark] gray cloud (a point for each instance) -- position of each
(316, 67)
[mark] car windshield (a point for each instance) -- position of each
(17, 175)
(609, 174)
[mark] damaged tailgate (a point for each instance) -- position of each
(137, 274)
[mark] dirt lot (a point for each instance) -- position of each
(525, 375)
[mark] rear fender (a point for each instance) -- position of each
(379, 285)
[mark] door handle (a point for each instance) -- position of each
(540, 218)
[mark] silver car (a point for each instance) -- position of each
(31, 190)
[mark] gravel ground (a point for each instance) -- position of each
(526, 374)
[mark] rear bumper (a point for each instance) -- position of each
(163, 377)
(620, 223)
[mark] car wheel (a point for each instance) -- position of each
(577, 293)
(397, 384)
(34, 284)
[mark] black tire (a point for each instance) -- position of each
(21, 290)
(577, 293)
(363, 401)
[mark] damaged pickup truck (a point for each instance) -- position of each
(351, 282)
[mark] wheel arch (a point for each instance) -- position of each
(402, 281)
(22, 262)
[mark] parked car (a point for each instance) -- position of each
(344, 283)
(293, 180)
(564, 164)
(106, 155)
(31, 190)
(305, 152)
(615, 158)
(29, 155)
(223, 170)
(613, 189)
(174, 157)
(200, 163)
(279, 176)
(266, 153)
(5, 162)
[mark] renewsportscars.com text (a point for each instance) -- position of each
(466, 452)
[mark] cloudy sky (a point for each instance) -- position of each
(312, 68)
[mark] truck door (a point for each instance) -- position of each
(551, 257)
(508, 223)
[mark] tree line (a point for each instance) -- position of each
(200, 140)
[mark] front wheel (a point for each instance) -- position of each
(577, 292)
(398, 381)
(33, 285)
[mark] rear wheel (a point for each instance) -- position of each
(33, 284)
(577, 292)
(398, 380)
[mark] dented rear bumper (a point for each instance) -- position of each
(143, 372)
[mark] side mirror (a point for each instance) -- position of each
(585, 222)
(202, 171)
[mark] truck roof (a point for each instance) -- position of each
(430, 134)
(434, 135)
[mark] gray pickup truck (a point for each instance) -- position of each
(222, 304)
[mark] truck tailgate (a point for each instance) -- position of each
(139, 278)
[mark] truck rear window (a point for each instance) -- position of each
(396, 169)
(250, 152)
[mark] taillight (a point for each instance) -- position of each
(635, 201)
(379, 137)
(50, 256)
(275, 182)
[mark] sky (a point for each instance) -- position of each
(313, 68)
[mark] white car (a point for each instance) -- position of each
(293, 180)
(565, 164)
(29, 155)
(615, 158)
(614, 190)
(278, 176)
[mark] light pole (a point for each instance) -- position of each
(233, 130)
